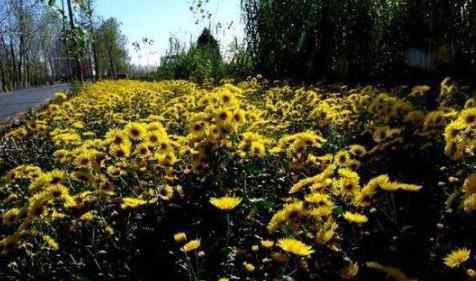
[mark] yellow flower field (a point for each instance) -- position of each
(242, 181)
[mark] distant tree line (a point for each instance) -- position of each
(394, 39)
(203, 60)
(46, 41)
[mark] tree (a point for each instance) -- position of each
(93, 38)
(75, 42)
(42, 41)
(362, 39)
(28, 32)
(111, 48)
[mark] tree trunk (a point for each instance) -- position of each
(21, 55)
(65, 42)
(3, 65)
(28, 75)
(2, 77)
(78, 72)
(325, 39)
(14, 64)
(95, 57)
(111, 62)
(473, 36)
(93, 42)
(51, 67)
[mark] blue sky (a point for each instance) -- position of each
(159, 19)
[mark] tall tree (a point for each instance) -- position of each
(93, 37)
(112, 52)
(360, 39)
(75, 43)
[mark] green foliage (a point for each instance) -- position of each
(112, 53)
(76, 87)
(203, 61)
(242, 64)
(199, 63)
(359, 39)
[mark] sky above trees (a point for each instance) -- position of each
(160, 19)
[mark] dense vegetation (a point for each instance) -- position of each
(133, 180)
(368, 40)
(64, 40)
(394, 39)
(215, 172)
(203, 61)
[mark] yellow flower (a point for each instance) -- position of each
(37, 204)
(58, 191)
(153, 137)
(180, 237)
(56, 176)
(55, 215)
(267, 244)
(198, 128)
(392, 272)
(350, 271)
(389, 186)
(342, 158)
(11, 216)
(60, 96)
(129, 202)
(355, 217)
(471, 273)
(51, 242)
(224, 279)
(142, 150)
(249, 267)
(88, 216)
(469, 186)
(409, 187)
(109, 230)
(318, 198)
(192, 245)
(166, 193)
(238, 116)
(358, 150)
(321, 212)
(114, 172)
(167, 159)
(419, 90)
(457, 257)
(295, 247)
(60, 155)
(294, 209)
(116, 137)
(347, 186)
(226, 203)
(468, 116)
(69, 201)
(222, 116)
(258, 149)
(136, 131)
(120, 151)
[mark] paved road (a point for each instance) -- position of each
(20, 101)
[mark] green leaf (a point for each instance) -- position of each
(338, 210)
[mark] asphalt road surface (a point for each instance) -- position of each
(20, 101)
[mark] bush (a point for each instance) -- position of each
(199, 63)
